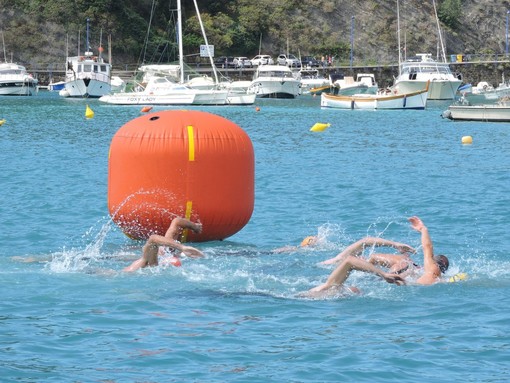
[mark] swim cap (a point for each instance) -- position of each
(309, 241)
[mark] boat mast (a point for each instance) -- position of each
(206, 43)
(398, 38)
(439, 31)
(179, 39)
(3, 44)
(101, 43)
(146, 42)
(87, 47)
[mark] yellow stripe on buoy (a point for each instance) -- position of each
(191, 140)
(319, 127)
(187, 215)
(89, 113)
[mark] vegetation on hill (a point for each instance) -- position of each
(38, 32)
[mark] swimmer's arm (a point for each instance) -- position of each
(356, 249)
(189, 251)
(429, 265)
(178, 224)
(285, 249)
(380, 242)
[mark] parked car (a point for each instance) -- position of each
(310, 62)
(224, 62)
(242, 62)
(289, 60)
(262, 60)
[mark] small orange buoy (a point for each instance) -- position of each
(257, 109)
(146, 109)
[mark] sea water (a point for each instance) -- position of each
(69, 313)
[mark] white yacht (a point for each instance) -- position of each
(275, 81)
(164, 91)
(15, 81)
(415, 72)
(87, 76)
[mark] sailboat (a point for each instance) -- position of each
(87, 75)
(165, 84)
(415, 72)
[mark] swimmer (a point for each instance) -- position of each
(433, 265)
(309, 241)
(152, 248)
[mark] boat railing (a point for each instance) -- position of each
(104, 77)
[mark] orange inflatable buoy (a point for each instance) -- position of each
(190, 164)
(146, 109)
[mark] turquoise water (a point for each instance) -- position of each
(72, 315)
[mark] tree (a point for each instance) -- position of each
(449, 13)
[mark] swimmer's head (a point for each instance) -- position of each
(442, 262)
(309, 241)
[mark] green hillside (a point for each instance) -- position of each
(38, 32)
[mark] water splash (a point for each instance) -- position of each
(78, 260)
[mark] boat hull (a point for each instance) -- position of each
(147, 99)
(56, 86)
(416, 100)
(18, 88)
(15, 81)
(275, 81)
(275, 88)
(438, 89)
(494, 113)
(86, 88)
(192, 97)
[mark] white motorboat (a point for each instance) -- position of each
(488, 92)
(364, 83)
(499, 112)
(56, 86)
(414, 74)
(311, 79)
(274, 81)
(386, 99)
(15, 81)
(87, 75)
